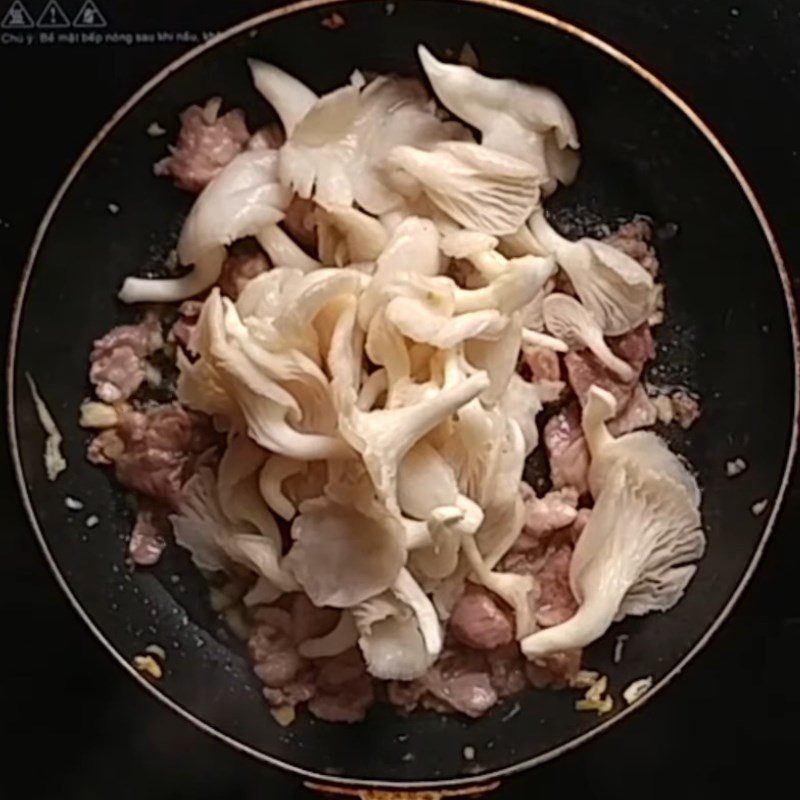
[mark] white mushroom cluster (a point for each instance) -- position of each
(369, 394)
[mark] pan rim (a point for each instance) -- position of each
(625, 60)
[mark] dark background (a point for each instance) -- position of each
(77, 728)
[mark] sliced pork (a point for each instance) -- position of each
(206, 143)
(118, 361)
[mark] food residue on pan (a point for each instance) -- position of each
(664, 410)
(113, 208)
(98, 415)
(596, 698)
(72, 503)
(584, 679)
(759, 506)
(156, 650)
(637, 689)
(154, 129)
(54, 461)
(148, 666)
(334, 21)
(469, 753)
(92, 521)
(676, 405)
(284, 715)
(468, 57)
(735, 466)
(619, 646)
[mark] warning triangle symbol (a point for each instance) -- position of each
(52, 16)
(17, 17)
(89, 16)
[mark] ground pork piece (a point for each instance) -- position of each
(244, 261)
(633, 239)
(522, 562)
(181, 331)
(153, 451)
(555, 670)
(542, 362)
(556, 603)
(507, 670)
(118, 360)
(345, 690)
(276, 661)
(685, 408)
(459, 681)
(206, 143)
(566, 449)
(149, 535)
(300, 690)
(310, 622)
(479, 621)
(543, 515)
(640, 412)
(584, 369)
(300, 224)
(270, 137)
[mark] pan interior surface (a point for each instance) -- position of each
(728, 336)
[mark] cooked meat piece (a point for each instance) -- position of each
(244, 261)
(276, 661)
(566, 449)
(638, 413)
(310, 622)
(522, 562)
(542, 362)
(345, 690)
(118, 360)
(507, 670)
(181, 331)
(633, 239)
(206, 143)
(148, 537)
(555, 670)
(153, 451)
(300, 224)
(686, 408)
(298, 691)
(459, 681)
(584, 369)
(543, 515)
(479, 621)
(556, 603)
(471, 694)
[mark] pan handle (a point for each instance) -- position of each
(383, 794)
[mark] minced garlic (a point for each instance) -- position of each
(148, 666)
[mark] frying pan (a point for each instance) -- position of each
(730, 335)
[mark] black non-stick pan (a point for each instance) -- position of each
(730, 335)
